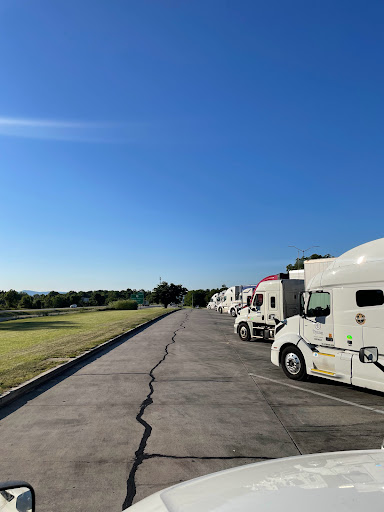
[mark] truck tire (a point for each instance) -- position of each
(293, 363)
(244, 332)
(233, 312)
(220, 310)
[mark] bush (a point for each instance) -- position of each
(123, 304)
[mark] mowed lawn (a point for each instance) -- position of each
(29, 347)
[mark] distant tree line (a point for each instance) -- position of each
(19, 300)
(164, 294)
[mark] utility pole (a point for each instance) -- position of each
(192, 300)
(303, 251)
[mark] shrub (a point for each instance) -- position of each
(123, 304)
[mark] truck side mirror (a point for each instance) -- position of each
(302, 305)
(18, 496)
(369, 355)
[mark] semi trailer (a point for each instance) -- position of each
(339, 332)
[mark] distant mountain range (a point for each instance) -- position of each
(31, 292)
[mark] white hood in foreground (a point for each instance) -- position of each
(339, 481)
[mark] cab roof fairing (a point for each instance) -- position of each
(361, 265)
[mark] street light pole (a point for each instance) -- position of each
(303, 251)
(312, 247)
(298, 253)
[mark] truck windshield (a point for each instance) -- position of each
(319, 304)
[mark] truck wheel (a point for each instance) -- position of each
(293, 363)
(233, 312)
(244, 332)
(220, 311)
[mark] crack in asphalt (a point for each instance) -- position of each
(139, 454)
(163, 456)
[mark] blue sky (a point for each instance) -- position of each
(192, 140)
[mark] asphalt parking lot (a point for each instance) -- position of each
(183, 398)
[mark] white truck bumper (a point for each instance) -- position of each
(275, 355)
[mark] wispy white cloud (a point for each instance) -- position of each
(74, 131)
(38, 123)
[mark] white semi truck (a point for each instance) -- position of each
(219, 299)
(230, 298)
(272, 300)
(245, 299)
(339, 333)
(213, 301)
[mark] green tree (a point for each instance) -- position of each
(12, 298)
(60, 301)
(26, 302)
(112, 296)
(37, 302)
(166, 293)
(48, 299)
(199, 298)
(209, 293)
(299, 263)
(97, 299)
(74, 298)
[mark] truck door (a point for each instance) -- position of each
(369, 317)
(318, 331)
(258, 315)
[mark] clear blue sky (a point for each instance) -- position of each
(192, 140)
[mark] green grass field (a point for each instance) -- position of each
(31, 346)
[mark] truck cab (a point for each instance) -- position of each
(219, 299)
(213, 301)
(230, 298)
(339, 333)
(245, 300)
(272, 301)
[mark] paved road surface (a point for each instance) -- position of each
(171, 403)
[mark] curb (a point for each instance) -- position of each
(29, 385)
